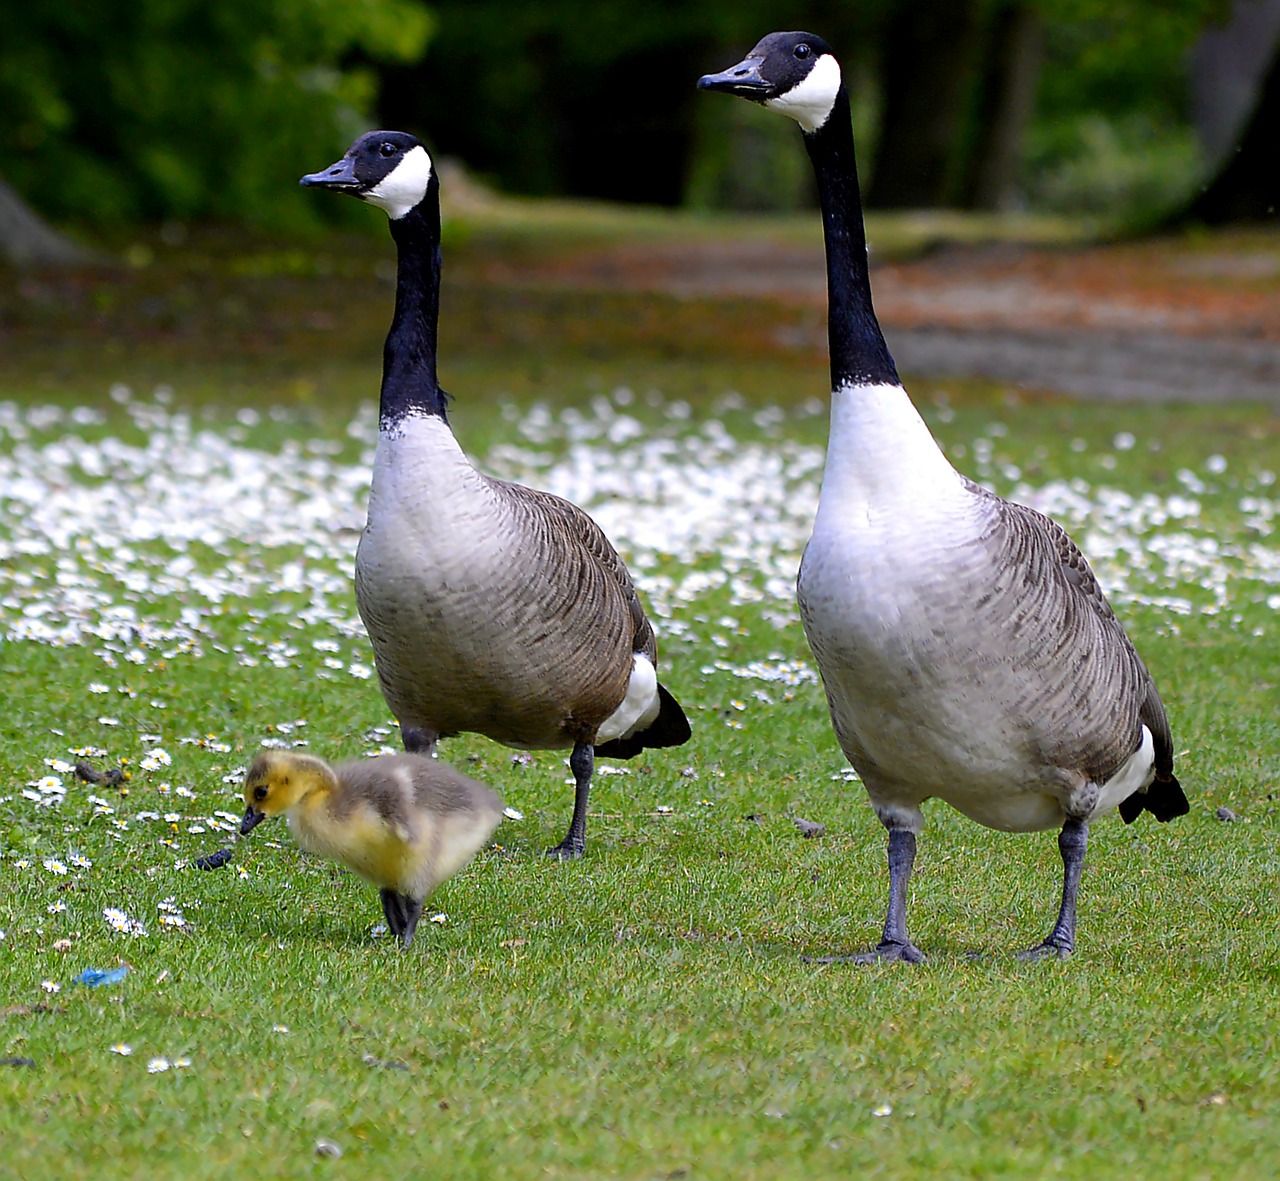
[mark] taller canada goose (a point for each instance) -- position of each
(965, 646)
(492, 607)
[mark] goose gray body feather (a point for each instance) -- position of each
(968, 653)
(491, 607)
(966, 648)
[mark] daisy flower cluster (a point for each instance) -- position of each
(121, 923)
(143, 552)
(98, 536)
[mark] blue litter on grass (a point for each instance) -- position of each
(96, 977)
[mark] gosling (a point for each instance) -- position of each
(404, 821)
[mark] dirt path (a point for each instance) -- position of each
(1154, 321)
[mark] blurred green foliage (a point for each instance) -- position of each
(598, 99)
(119, 110)
(1111, 131)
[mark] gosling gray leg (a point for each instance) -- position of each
(582, 763)
(1061, 941)
(418, 741)
(393, 906)
(412, 913)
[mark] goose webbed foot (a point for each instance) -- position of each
(885, 952)
(890, 952)
(1048, 950)
(582, 763)
(1061, 941)
(567, 850)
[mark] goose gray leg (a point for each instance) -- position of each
(895, 944)
(417, 741)
(582, 763)
(1072, 841)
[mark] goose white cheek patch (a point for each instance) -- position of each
(810, 102)
(404, 186)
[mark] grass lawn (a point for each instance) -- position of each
(175, 591)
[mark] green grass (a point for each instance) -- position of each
(648, 1011)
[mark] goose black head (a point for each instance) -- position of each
(795, 73)
(389, 169)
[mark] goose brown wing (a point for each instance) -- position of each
(577, 528)
(1165, 797)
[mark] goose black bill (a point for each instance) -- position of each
(341, 177)
(743, 80)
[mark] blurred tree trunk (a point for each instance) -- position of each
(1227, 65)
(930, 53)
(1006, 102)
(1247, 184)
(26, 240)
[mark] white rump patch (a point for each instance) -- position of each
(1137, 773)
(639, 708)
(811, 100)
(404, 186)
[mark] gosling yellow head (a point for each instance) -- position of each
(278, 780)
(405, 822)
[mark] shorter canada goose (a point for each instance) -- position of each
(404, 821)
(492, 608)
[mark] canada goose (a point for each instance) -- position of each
(405, 822)
(966, 649)
(491, 607)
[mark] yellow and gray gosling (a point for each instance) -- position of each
(404, 821)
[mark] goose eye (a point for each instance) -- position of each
(387, 150)
(802, 51)
(259, 793)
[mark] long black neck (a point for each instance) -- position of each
(859, 355)
(409, 383)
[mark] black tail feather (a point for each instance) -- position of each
(669, 728)
(1164, 799)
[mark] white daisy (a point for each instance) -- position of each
(153, 760)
